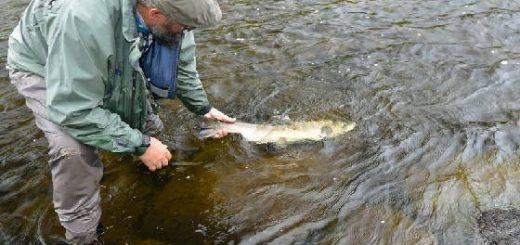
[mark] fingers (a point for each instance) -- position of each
(167, 154)
(164, 161)
(168, 157)
(227, 119)
(218, 115)
(157, 155)
(158, 165)
(220, 133)
(223, 117)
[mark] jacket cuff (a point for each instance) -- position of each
(141, 149)
(202, 110)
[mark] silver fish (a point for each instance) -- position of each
(286, 133)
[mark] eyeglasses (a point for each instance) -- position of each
(187, 28)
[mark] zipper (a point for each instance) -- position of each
(178, 61)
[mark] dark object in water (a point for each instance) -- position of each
(499, 226)
(184, 163)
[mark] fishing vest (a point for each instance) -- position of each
(159, 62)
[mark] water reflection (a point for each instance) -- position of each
(432, 85)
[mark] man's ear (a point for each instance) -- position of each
(153, 16)
(154, 12)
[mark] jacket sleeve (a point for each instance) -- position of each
(76, 72)
(189, 87)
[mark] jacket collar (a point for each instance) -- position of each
(142, 29)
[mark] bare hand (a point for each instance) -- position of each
(156, 155)
(218, 115)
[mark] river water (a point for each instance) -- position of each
(433, 86)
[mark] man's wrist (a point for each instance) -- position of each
(203, 110)
(140, 150)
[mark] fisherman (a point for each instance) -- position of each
(80, 66)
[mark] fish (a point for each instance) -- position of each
(273, 133)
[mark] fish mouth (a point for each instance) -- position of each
(207, 128)
(206, 133)
(206, 123)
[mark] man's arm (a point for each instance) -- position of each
(189, 87)
(76, 69)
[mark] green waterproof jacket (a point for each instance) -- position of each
(88, 53)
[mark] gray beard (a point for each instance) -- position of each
(164, 36)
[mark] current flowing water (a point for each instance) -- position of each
(434, 89)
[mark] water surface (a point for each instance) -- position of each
(433, 87)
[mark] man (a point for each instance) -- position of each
(77, 63)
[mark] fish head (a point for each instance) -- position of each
(206, 133)
(208, 128)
